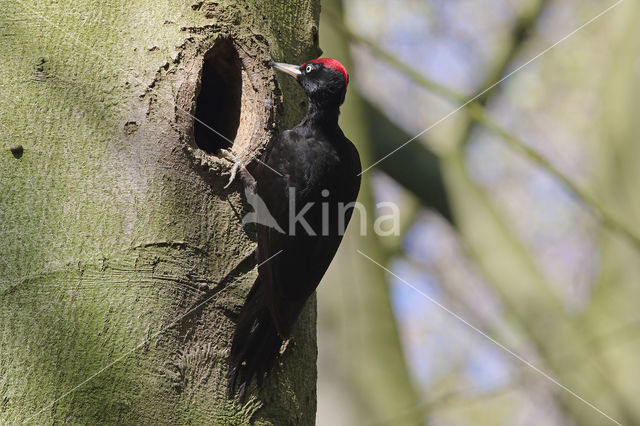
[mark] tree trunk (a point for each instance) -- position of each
(123, 260)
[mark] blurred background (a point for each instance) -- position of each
(511, 295)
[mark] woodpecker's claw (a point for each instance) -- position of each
(236, 165)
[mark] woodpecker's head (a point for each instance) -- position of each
(324, 80)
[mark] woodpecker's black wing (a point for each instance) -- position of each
(292, 263)
(320, 176)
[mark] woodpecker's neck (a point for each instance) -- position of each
(322, 116)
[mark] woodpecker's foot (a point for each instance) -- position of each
(227, 154)
(285, 346)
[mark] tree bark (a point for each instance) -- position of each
(123, 260)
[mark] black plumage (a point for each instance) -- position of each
(320, 169)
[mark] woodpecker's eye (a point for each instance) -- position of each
(309, 68)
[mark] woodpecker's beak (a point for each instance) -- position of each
(292, 70)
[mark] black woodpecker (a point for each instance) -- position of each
(308, 181)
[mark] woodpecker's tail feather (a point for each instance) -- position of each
(255, 345)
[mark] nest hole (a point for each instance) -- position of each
(218, 105)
